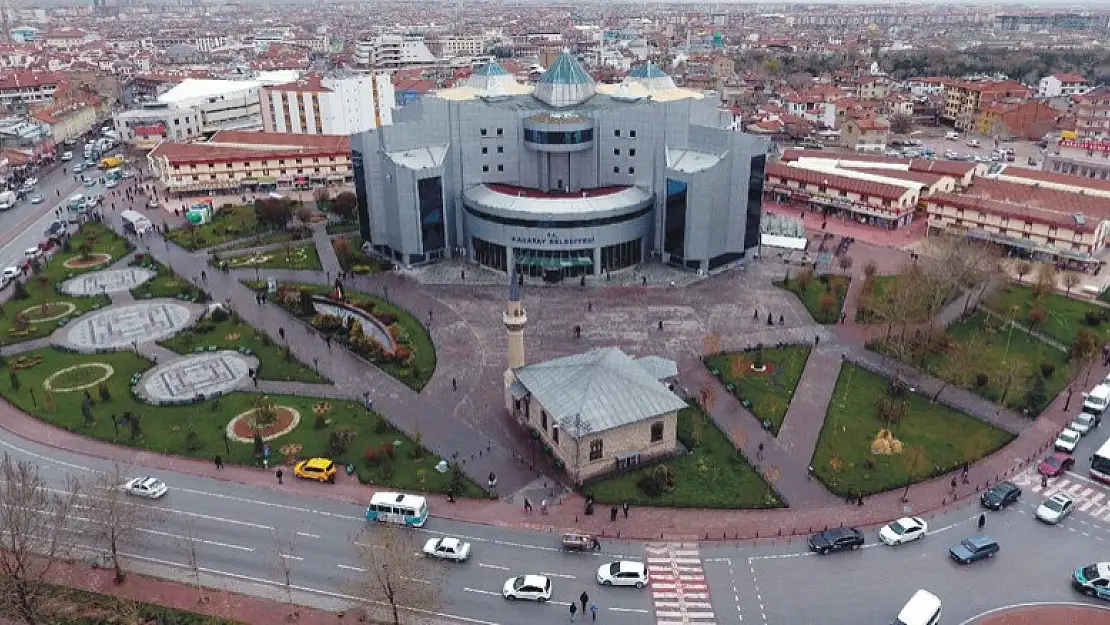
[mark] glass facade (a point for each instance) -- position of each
(755, 201)
(674, 225)
(559, 223)
(574, 137)
(489, 254)
(432, 232)
(554, 265)
(621, 255)
(363, 209)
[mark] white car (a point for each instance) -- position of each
(111, 184)
(30, 182)
(1066, 441)
(904, 530)
(36, 198)
(1082, 423)
(67, 156)
(447, 549)
(32, 253)
(149, 487)
(528, 587)
(128, 173)
(11, 273)
(152, 203)
(623, 573)
(1055, 509)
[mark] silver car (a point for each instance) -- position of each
(1082, 423)
(1055, 509)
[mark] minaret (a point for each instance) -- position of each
(515, 319)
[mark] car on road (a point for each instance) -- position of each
(1000, 495)
(447, 548)
(623, 573)
(36, 198)
(1083, 423)
(111, 184)
(973, 549)
(319, 469)
(33, 253)
(128, 173)
(836, 539)
(1067, 440)
(153, 203)
(1055, 509)
(78, 168)
(904, 530)
(972, 143)
(148, 487)
(527, 587)
(56, 229)
(90, 182)
(11, 273)
(30, 182)
(67, 156)
(1056, 464)
(1093, 580)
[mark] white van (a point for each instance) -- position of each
(952, 135)
(923, 608)
(1097, 400)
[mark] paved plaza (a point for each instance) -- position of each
(107, 281)
(205, 374)
(120, 327)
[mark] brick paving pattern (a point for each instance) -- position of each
(1049, 615)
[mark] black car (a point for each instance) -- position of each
(1001, 495)
(836, 539)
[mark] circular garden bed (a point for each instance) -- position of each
(242, 428)
(84, 262)
(48, 311)
(78, 377)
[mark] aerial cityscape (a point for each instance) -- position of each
(488, 313)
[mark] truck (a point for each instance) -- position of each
(111, 162)
(7, 200)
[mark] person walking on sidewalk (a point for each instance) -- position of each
(613, 514)
(593, 611)
(624, 507)
(280, 475)
(584, 598)
(573, 610)
(219, 462)
(982, 520)
(527, 506)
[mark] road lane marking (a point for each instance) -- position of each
(307, 535)
(290, 557)
(630, 610)
(212, 543)
(351, 568)
(493, 566)
(557, 575)
(269, 504)
(483, 592)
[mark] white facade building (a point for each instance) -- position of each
(329, 105)
(1061, 85)
(222, 104)
(393, 51)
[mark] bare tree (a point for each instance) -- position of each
(1023, 269)
(1071, 280)
(115, 522)
(189, 543)
(284, 556)
(407, 586)
(38, 529)
(914, 461)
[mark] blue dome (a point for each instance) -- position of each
(565, 83)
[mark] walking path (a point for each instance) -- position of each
(810, 402)
(325, 250)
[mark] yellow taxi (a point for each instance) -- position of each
(320, 469)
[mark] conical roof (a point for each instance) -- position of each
(565, 83)
(651, 77)
(491, 77)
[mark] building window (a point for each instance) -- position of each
(483, 131)
(500, 149)
(485, 168)
(543, 419)
(616, 133)
(500, 168)
(632, 152)
(616, 170)
(596, 449)
(485, 150)
(657, 432)
(631, 170)
(555, 434)
(500, 132)
(632, 134)
(617, 152)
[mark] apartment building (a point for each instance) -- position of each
(329, 104)
(1062, 85)
(145, 127)
(69, 121)
(964, 100)
(222, 104)
(1092, 113)
(393, 51)
(926, 86)
(452, 45)
(868, 134)
(1020, 120)
(250, 162)
(1086, 158)
(27, 87)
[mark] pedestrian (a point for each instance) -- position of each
(613, 514)
(527, 506)
(454, 384)
(781, 320)
(1044, 481)
(573, 610)
(843, 316)
(756, 315)
(327, 341)
(759, 452)
(219, 462)
(584, 598)
(660, 325)
(859, 501)
(816, 341)
(593, 611)
(203, 275)
(462, 274)
(280, 475)
(543, 506)
(982, 520)
(953, 482)
(597, 545)
(964, 477)
(589, 306)
(624, 507)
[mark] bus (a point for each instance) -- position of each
(398, 508)
(76, 203)
(1100, 463)
(115, 173)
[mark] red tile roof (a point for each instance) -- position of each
(1012, 211)
(909, 176)
(865, 188)
(311, 83)
(1061, 202)
(948, 168)
(25, 79)
(1036, 175)
(1069, 77)
(240, 145)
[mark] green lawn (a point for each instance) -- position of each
(166, 284)
(164, 429)
(935, 438)
(414, 335)
(351, 257)
(70, 606)
(231, 222)
(341, 227)
(767, 395)
(813, 295)
(274, 363)
(43, 301)
(879, 285)
(715, 475)
(286, 257)
(988, 339)
(276, 236)
(1064, 316)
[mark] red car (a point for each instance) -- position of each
(1055, 464)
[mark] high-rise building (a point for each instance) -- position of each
(329, 104)
(392, 52)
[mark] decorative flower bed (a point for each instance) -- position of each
(78, 377)
(321, 407)
(84, 262)
(49, 311)
(25, 362)
(242, 428)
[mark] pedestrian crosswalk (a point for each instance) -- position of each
(1090, 498)
(679, 589)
